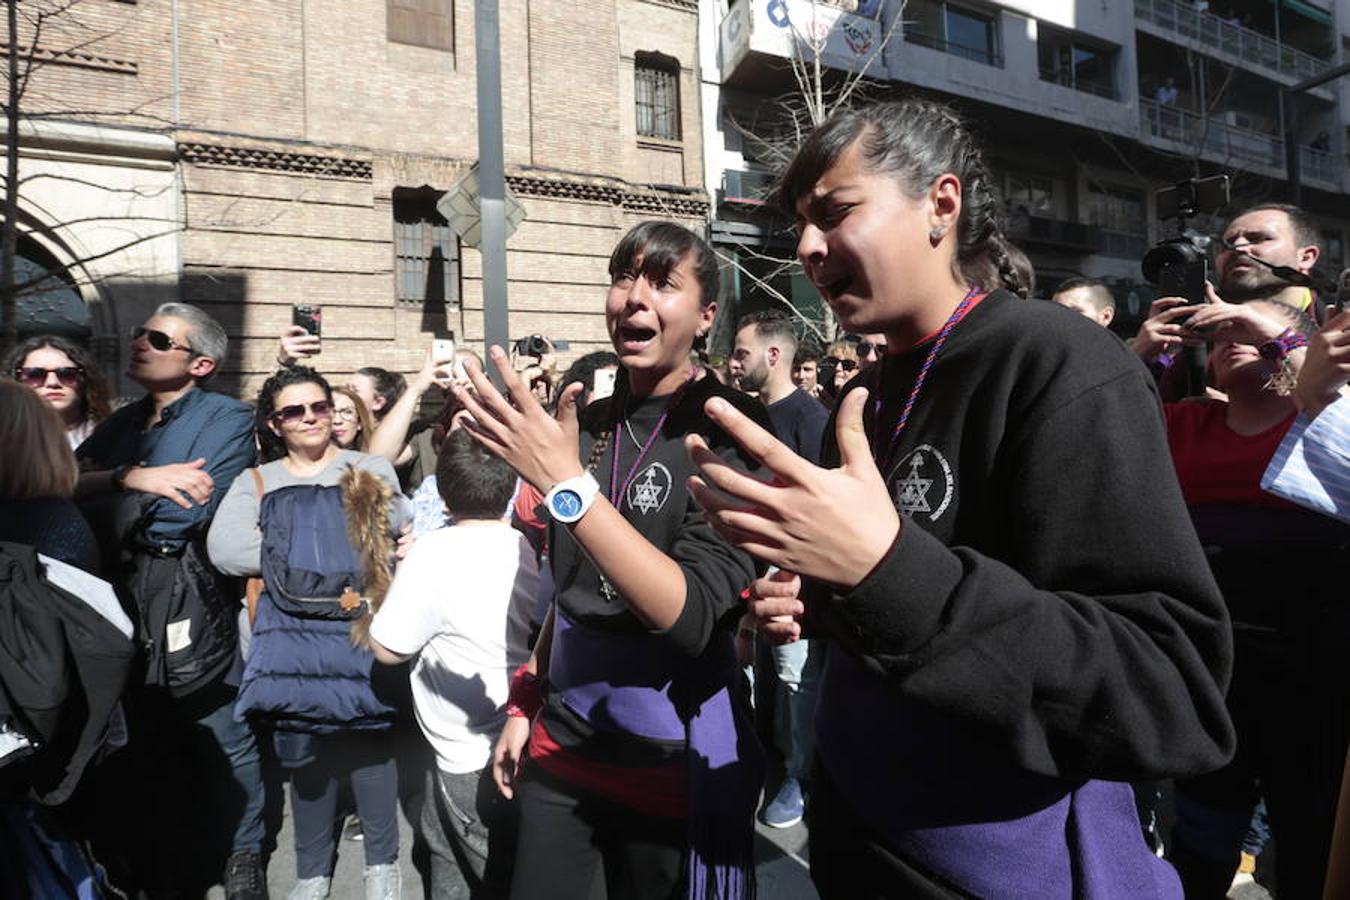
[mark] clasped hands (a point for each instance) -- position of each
(832, 525)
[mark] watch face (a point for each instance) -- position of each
(566, 504)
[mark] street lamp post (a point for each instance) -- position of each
(491, 174)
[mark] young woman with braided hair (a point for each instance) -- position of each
(640, 763)
(1021, 616)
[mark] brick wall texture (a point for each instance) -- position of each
(296, 121)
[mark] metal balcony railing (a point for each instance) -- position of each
(1065, 77)
(746, 185)
(978, 54)
(1211, 31)
(1210, 137)
(1320, 165)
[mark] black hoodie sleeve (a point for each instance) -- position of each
(1102, 647)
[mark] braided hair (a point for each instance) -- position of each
(917, 141)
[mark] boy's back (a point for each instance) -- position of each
(462, 598)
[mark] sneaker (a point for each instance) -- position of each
(787, 806)
(352, 830)
(244, 878)
(311, 888)
(384, 882)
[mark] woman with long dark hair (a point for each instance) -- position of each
(1021, 616)
(317, 523)
(65, 375)
(639, 765)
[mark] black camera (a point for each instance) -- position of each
(1179, 266)
(534, 345)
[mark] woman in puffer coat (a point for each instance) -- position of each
(318, 524)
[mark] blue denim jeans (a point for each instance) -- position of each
(237, 742)
(798, 666)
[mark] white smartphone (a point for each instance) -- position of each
(443, 349)
(603, 386)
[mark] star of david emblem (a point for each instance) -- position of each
(912, 490)
(649, 492)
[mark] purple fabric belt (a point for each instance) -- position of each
(637, 684)
(953, 805)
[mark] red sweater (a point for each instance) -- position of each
(1216, 464)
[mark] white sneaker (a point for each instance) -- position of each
(384, 882)
(311, 888)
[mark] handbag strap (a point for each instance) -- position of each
(258, 481)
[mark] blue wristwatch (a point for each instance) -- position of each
(569, 500)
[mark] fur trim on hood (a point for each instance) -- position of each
(366, 499)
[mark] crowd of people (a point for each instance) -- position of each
(958, 589)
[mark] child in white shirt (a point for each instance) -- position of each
(460, 603)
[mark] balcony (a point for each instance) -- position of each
(975, 54)
(746, 187)
(1321, 166)
(800, 30)
(1243, 44)
(1065, 77)
(1186, 132)
(1057, 233)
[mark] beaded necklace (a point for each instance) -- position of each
(884, 462)
(615, 492)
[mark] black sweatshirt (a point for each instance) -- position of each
(1046, 614)
(1047, 583)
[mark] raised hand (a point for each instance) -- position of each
(833, 525)
(1239, 322)
(1326, 369)
(297, 344)
(542, 449)
(1163, 330)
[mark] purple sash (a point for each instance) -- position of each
(639, 685)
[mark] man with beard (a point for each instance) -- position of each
(761, 363)
(1275, 233)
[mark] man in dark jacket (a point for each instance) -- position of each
(150, 486)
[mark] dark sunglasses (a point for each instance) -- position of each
(848, 365)
(158, 340)
(866, 347)
(36, 376)
(288, 415)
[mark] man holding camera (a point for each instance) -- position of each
(1262, 236)
(1275, 563)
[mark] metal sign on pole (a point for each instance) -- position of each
(491, 174)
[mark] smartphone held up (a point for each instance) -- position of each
(309, 316)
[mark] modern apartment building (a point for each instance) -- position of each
(1088, 106)
(248, 156)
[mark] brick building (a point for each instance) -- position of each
(244, 157)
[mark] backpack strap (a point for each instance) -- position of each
(253, 587)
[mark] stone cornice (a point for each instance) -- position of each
(76, 58)
(682, 5)
(225, 156)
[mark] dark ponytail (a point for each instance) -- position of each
(917, 141)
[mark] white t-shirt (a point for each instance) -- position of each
(462, 598)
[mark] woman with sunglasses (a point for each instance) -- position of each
(65, 375)
(332, 721)
(841, 360)
(640, 768)
(1021, 617)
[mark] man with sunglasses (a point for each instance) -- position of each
(151, 472)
